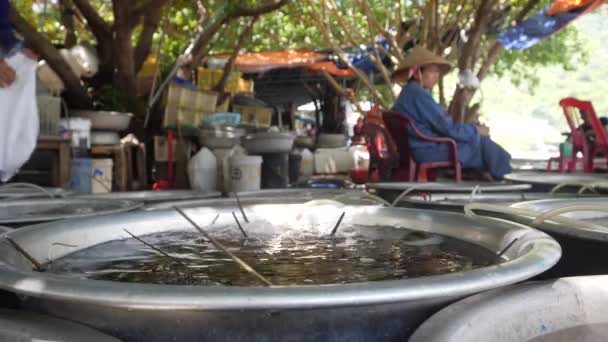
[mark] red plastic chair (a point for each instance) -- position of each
(574, 110)
(384, 160)
(397, 125)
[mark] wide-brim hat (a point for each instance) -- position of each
(420, 56)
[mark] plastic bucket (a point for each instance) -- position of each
(275, 170)
(80, 181)
(245, 173)
(102, 176)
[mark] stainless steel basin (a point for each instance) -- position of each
(367, 311)
(585, 246)
(456, 201)
(562, 310)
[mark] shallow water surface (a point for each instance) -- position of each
(357, 254)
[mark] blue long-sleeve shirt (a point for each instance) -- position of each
(9, 43)
(427, 115)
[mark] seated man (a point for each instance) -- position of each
(422, 70)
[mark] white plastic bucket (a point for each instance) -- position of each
(245, 173)
(101, 181)
(202, 171)
(81, 131)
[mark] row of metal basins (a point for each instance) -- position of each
(397, 261)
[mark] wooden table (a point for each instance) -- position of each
(129, 170)
(60, 169)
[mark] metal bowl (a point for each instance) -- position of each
(567, 309)
(220, 136)
(268, 142)
(104, 120)
(104, 138)
(370, 311)
(42, 210)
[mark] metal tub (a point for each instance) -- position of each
(17, 213)
(278, 196)
(391, 191)
(154, 196)
(572, 182)
(370, 311)
(585, 246)
(456, 201)
(562, 310)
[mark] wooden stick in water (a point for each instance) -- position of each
(238, 202)
(155, 248)
(507, 248)
(37, 265)
(218, 245)
(333, 232)
(239, 224)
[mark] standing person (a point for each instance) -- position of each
(9, 45)
(19, 123)
(422, 70)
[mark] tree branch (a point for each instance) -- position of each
(229, 66)
(67, 20)
(144, 43)
(269, 6)
(76, 94)
(146, 6)
(99, 27)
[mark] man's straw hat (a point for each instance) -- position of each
(420, 56)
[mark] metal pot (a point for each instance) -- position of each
(154, 196)
(370, 311)
(567, 309)
(268, 142)
(26, 326)
(304, 142)
(42, 210)
(220, 136)
(331, 140)
(391, 191)
(456, 201)
(104, 138)
(104, 120)
(585, 247)
(25, 190)
(543, 181)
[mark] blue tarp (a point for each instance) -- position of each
(536, 28)
(360, 59)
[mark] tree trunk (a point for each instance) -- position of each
(75, 93)
(67, 19)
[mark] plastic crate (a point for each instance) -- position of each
(223, 119)
(49, 111)
(254, 116)
(207, 79)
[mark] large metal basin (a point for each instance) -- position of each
(585, 248)
(369, 311)
(154, 196)
(390, 191)
(562, 310)
(277, 196)
(23, 326)
(41, 210)
(456, 201)
(545, 181)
